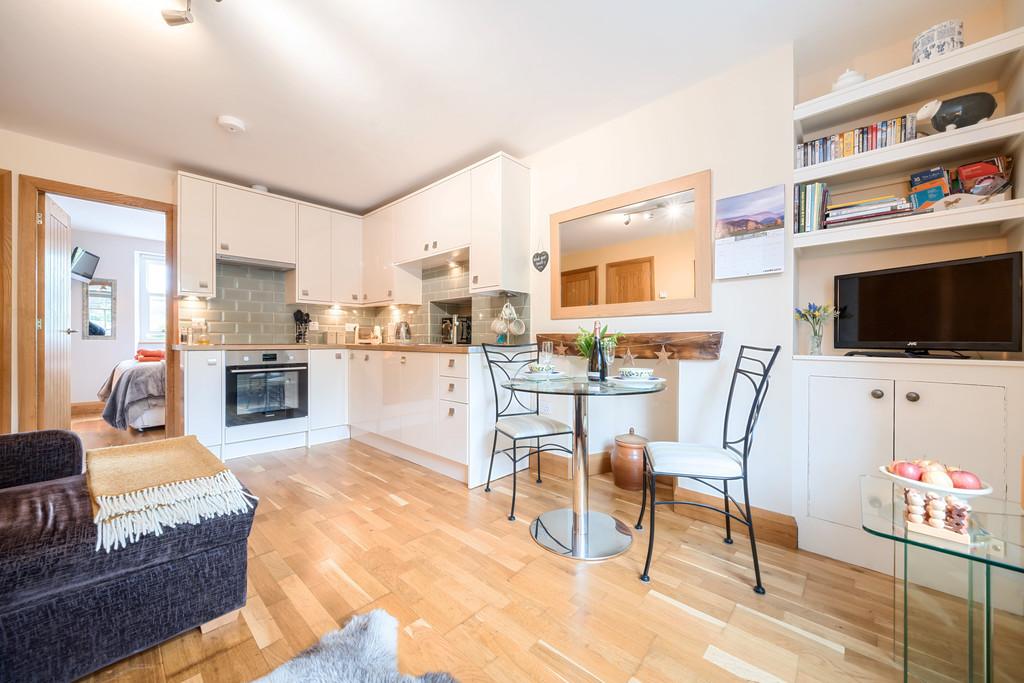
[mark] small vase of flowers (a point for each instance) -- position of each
(817, 317)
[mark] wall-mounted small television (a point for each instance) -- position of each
(83, 264)
(971, 304)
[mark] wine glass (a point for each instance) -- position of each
(608, 346)
(547, 352)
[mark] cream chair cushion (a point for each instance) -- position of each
(526, 426)
(672, 457)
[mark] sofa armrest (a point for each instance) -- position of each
(31, 457)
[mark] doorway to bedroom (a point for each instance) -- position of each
(95, 305)
(117, 318)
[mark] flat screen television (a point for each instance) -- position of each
(83, 264)
(969, 304)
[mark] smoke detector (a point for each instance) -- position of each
(231, 124)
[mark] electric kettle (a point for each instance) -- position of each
(403, 333)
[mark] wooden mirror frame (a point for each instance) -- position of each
(113, 309)
(700, 184)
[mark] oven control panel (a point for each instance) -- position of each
(265, 357)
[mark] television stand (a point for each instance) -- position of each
(906, 354)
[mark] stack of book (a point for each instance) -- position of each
(809, 203)
(984, 177)
(864, 139)
(928, 187)
(866, 210)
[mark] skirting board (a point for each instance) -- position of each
(773, 527)
(87, 408)
(448, 468)
(561, 466)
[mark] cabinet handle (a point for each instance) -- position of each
(352, 356)
(403, 360)
(224, 246)
(451, 412)
(211, 361)
(434, 245)
(451, 362)
(451, 387)
(364, 297)
(305, 292)
(426, 246)
(913, 396)
(355, 297)
(203, 284)
(337, 356)
(389, 292)
(366, 356)
(476, 279)
(877, 393)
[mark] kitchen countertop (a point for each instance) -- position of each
(414, 348)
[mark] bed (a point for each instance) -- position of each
(135, 395)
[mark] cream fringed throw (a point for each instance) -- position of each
(142, 488)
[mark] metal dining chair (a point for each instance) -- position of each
(707, 463)
(516, 419)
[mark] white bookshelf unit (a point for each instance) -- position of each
(852, 414)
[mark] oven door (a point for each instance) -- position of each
(265, 393)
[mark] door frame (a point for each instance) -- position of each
(612, 264)
(585, 269)
(6, 296)
(31, 387)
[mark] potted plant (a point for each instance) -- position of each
(817, 317)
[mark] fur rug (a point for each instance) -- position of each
(365, 651)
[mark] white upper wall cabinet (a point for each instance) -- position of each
(196, 267)
(499, 255)
(255, 226)
(435, 220)
(347, 258)
(383, 282)
(312, 274)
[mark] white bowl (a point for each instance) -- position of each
(635, 373)
(935, 488)
(541, 368)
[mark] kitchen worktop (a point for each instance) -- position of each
(412, 348)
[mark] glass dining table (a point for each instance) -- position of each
(579, 532)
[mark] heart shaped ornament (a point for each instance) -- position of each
(540, 261)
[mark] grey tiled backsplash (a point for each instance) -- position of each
(250, 308)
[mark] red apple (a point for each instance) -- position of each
(962, 479)
(907, 470)
(937, 478)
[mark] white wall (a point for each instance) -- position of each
(738, 124)
(27, 155)
(93, 359)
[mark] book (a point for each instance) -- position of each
(870, 219)
(970, 174)
(872, 200)
(927, 195)
(922, 177)
(862, 210)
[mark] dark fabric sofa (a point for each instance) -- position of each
(67, 610)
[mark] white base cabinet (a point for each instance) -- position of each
(852, 415)
(204, 396)
(328, 388)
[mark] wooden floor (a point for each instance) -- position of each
(95, 433)
(343, 528)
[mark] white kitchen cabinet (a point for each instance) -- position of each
(419, 389)
(365, 387)
(957, 424)
(310, 282)
(347, 258)
(256, 226)
(453, 431)
(435, 220)
(196, 264)
(848, 442)
(204, 397)
(499, 255)
(328, 388)
(383, 282)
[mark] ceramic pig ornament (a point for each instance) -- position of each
(958, 112)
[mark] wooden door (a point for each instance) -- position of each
(963, 425)
(850, 434)
(54, 366)
(627, 281)
(579, 287)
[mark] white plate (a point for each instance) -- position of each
(636, 381)
(541, 376)
(959, 493)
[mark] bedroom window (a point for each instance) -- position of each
(151, 299)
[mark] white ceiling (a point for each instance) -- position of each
(354, 102)
(114, 220)
(669, 215)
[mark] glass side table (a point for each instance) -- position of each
(959, 607)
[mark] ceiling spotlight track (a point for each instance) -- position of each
(179, 17)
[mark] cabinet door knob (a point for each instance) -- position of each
(451, 412)
(224, 246)
(451, 387)
(877, 393)
(476, 279)
(913, 396)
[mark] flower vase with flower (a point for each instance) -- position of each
(817, 317)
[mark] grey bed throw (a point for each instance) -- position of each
(139, 388)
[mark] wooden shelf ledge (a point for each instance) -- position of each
(646, 345)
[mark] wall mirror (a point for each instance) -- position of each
(645, 252)
(99, 309)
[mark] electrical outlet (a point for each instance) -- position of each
(545, 408)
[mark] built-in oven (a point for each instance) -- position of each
(264, 386)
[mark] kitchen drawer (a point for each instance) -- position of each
(454, 389)
(452, 430)
(454, 365)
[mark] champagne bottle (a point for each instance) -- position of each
(596, 369)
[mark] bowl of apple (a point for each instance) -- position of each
(931, 475)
